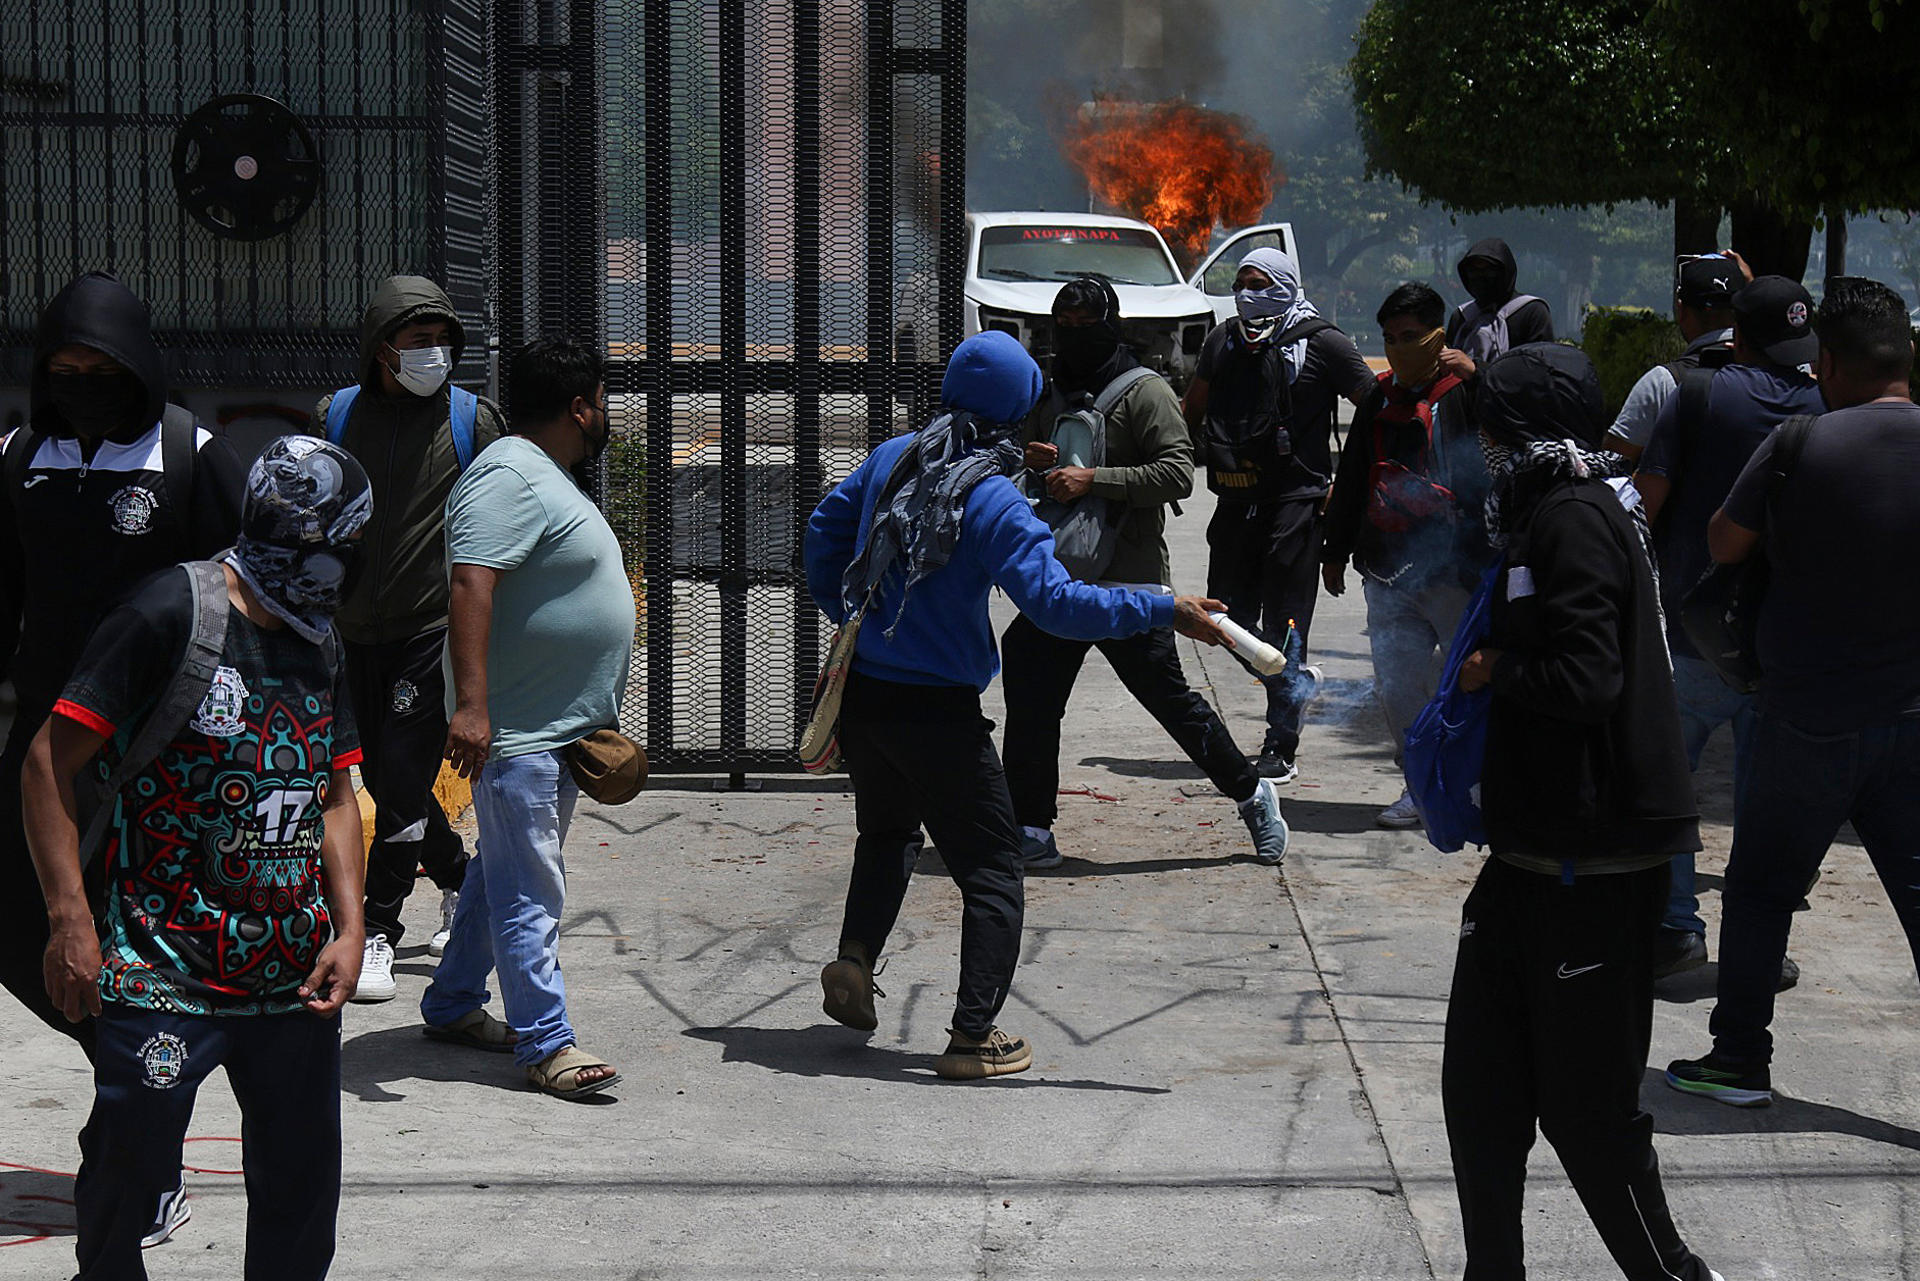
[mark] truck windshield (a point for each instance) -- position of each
(1124, 255)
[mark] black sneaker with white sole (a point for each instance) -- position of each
(1740, 1085)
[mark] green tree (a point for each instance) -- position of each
(1498, 104)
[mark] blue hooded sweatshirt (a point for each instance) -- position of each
(944, 636)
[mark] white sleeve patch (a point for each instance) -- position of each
(1519, 582)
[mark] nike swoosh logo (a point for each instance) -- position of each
(1566, 973)
(31, 481)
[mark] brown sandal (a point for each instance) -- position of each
(477, 1030)
(559, 1074)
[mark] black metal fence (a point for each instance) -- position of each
(251, 169)
(735, 198)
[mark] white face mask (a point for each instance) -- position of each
(423, 370)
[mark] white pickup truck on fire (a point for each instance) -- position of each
(1016, 263)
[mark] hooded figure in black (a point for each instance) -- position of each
(97, 495)
(1496, 319)
(1586, 796)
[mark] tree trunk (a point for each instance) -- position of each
(1696, 226)
(1772, 244)
(1836, 243)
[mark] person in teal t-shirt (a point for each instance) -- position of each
(538, 646)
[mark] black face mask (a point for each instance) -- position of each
(597, 445)
(1080, 350)
(1488, 285)
(96, 405)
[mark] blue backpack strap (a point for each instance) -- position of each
(337, 410)
(465, 408)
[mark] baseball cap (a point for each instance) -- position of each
(1775, 315)
(1708, 281)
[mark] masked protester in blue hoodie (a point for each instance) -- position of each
(922, 531)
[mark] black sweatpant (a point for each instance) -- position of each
(1549, 1022)
(23, 908)
(924, 754)
(1037, 671)
(1263, 560)
(285, 1074)
(399, 695)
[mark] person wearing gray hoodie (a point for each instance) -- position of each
(413, 432)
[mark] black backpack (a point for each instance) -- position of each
(1693, 376)
(1246, 452)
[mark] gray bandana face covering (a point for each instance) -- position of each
(306, 499)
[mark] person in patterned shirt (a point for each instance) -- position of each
(232, 930)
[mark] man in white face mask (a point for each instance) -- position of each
(413, 431)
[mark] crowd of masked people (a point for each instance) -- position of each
(1480, 478)
(205, 654)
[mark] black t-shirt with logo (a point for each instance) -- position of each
(213, 871)
(83, 529)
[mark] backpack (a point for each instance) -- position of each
(1085, 530)
(179, 452)
(186, 690)
(1446, 745)
(1399, 498)
(1246, 455)
(1693, 376)
(463, 411)
(1721, 613)
(1482, 336)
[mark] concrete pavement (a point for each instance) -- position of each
(1236, 1070)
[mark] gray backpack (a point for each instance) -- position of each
(1483, 336)
(1086, 530)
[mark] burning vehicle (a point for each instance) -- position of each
(1016, 263)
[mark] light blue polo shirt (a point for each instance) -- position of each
(563, 611)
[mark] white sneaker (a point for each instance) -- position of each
(376, 972)
(174, 1211)
(437, 945)
(1401, 816)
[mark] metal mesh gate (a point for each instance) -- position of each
(734, 198)
(250, 169)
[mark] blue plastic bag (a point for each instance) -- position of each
(1447, 743)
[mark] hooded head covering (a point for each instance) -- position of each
(992, 377)
(305, 501)
(1542, 418)
(1278, 307)
(98, 311)
(1488, 271)
(1088, 357)
(400, 301)
(990, 388)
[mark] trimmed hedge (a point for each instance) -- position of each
(1625, 342)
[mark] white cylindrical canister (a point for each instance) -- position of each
(1265, 659)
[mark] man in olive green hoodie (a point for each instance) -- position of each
(414, 433)
(1148, 464)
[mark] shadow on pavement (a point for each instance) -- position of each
(827, 1049)
(373, 1060)
(1128, 767)
(1332, 818)
(1679, 1113)
(34, 1203)
(1080, 868)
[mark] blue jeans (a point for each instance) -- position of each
(1801, 788)
(510, 906)
(1706, 703)
(1405, 629)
